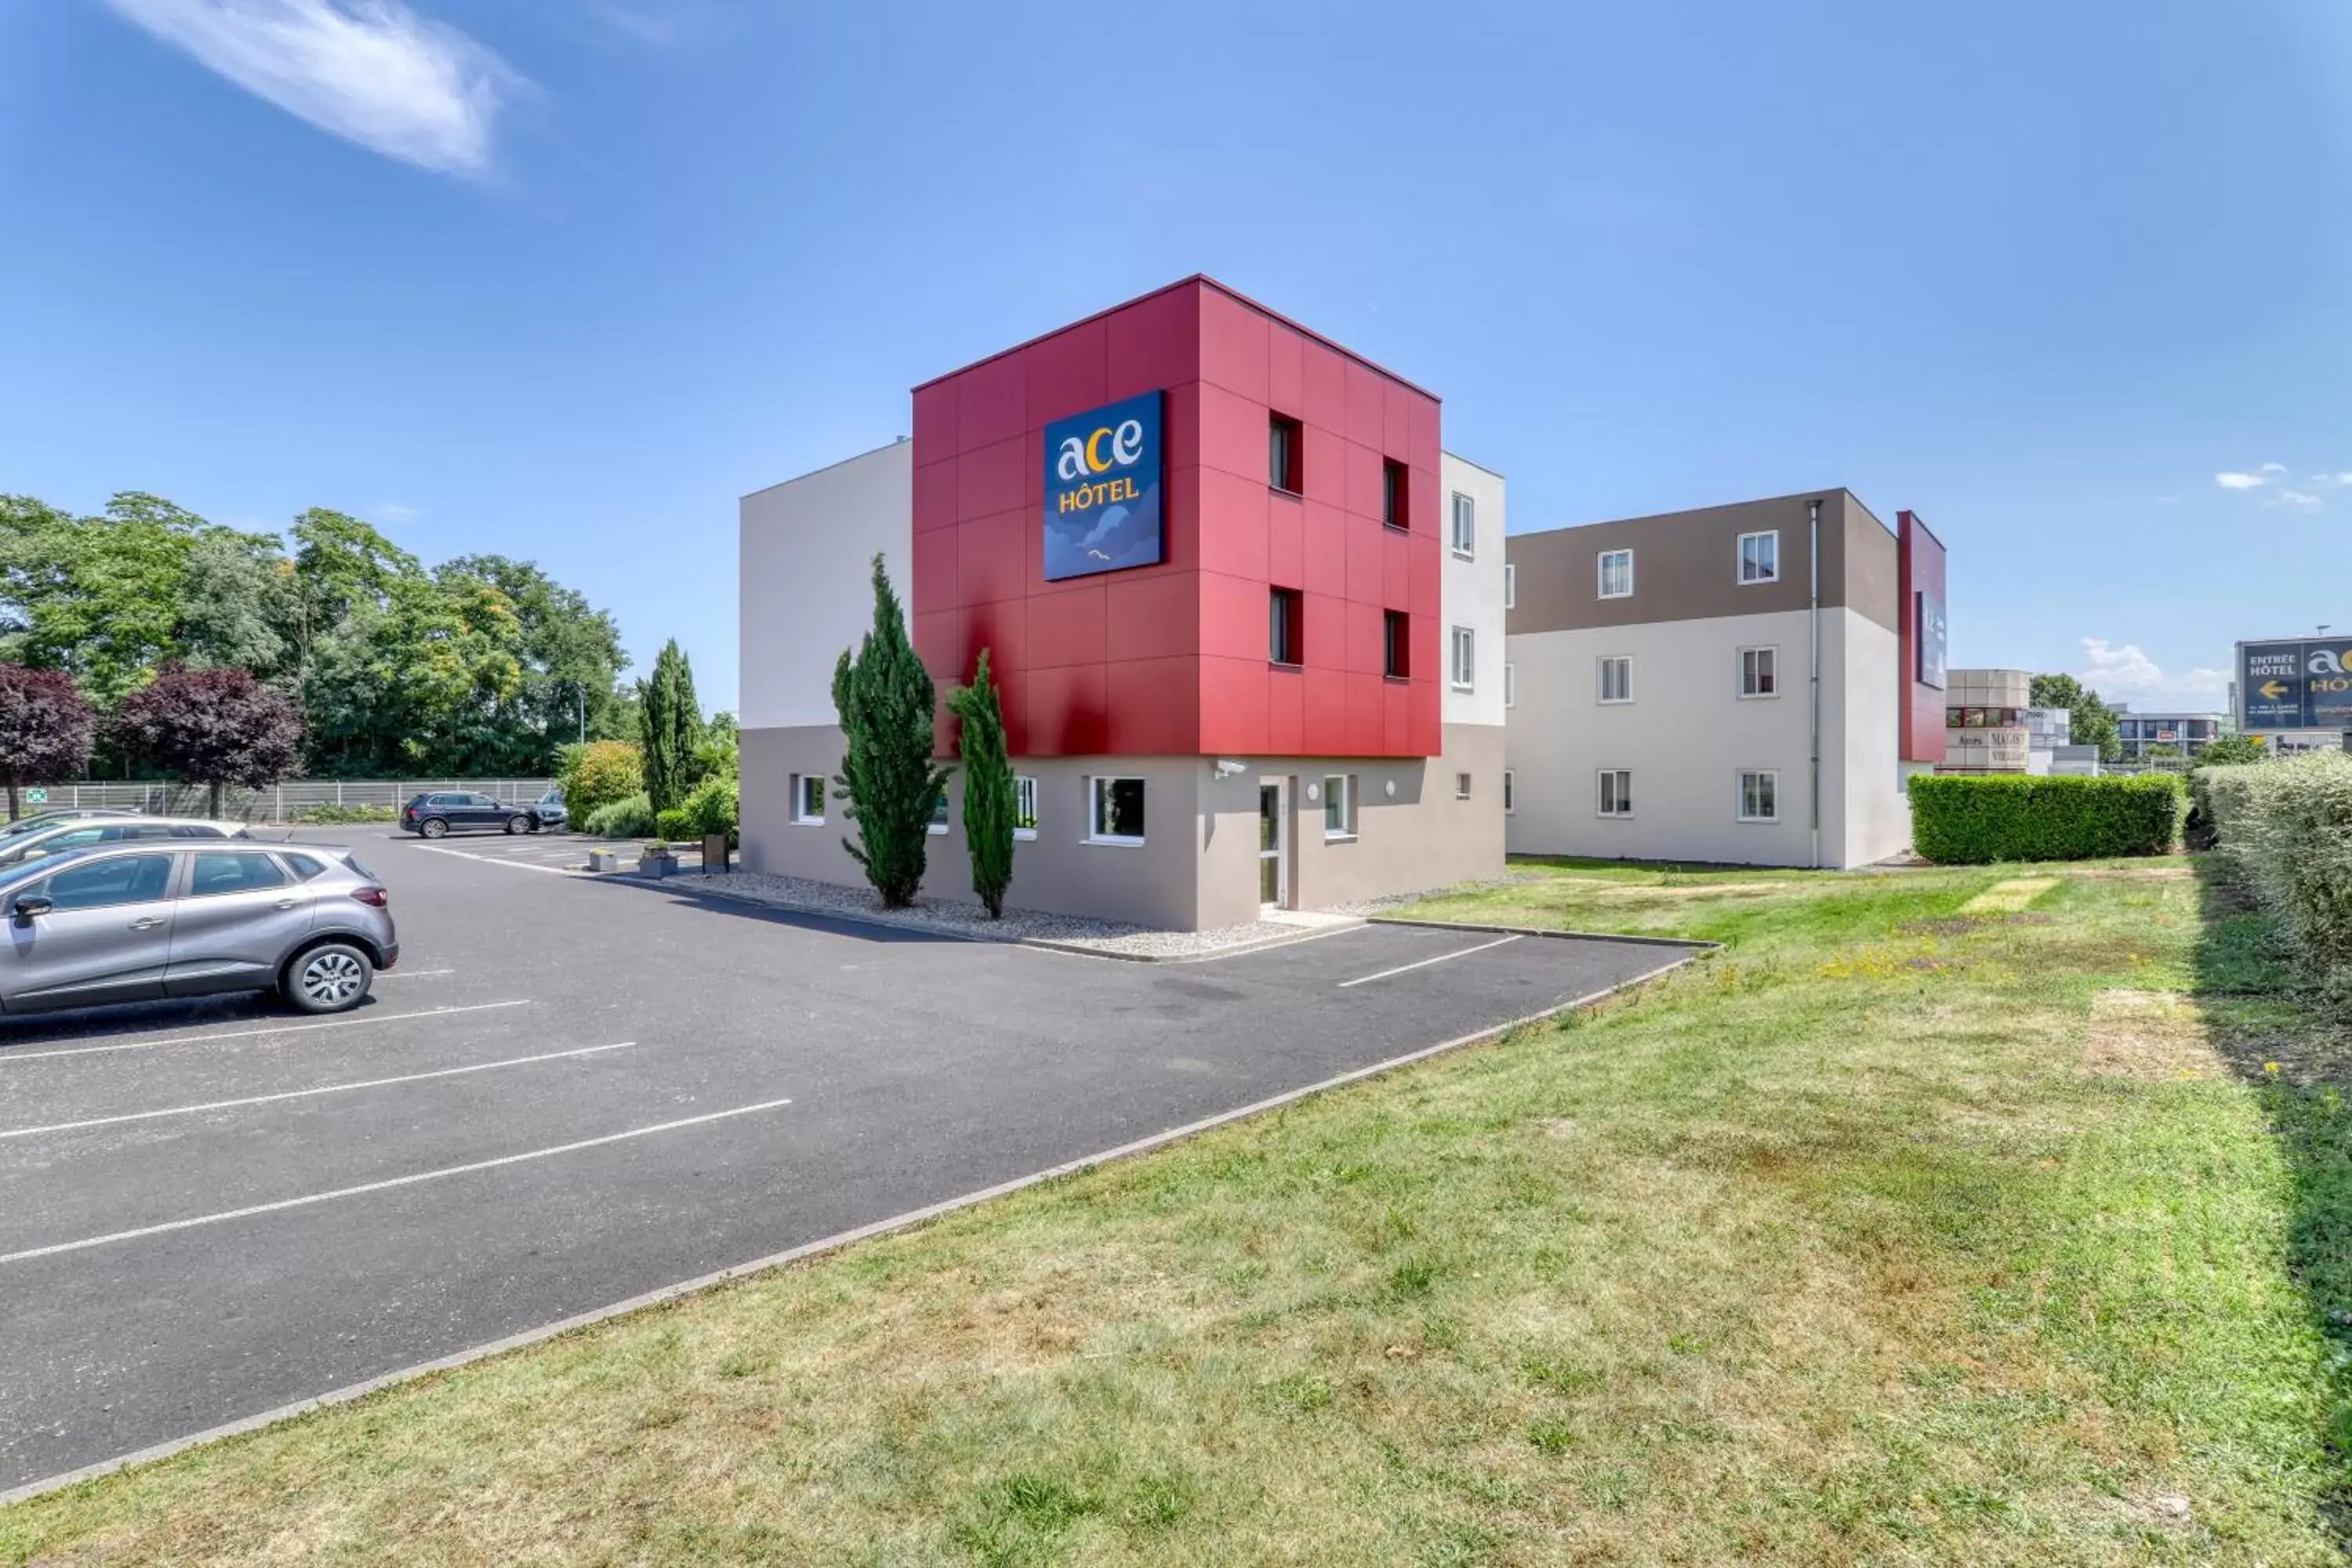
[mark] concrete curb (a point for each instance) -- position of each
(834, 1243)
(1690, 943)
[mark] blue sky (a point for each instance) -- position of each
(564, 278)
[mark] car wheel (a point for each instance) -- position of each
(433, 827)
(329, 978)
(517, 824)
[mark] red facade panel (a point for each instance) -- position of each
(1919, 569)
(1171, 659)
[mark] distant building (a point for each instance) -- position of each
(1986, 727)
(2188, 733)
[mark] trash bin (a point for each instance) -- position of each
(714, 854)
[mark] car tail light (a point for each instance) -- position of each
(374, 897)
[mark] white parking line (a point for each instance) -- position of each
(498, 860)
(305, 1093)
(10, 1058)
(1424, 964)
(366, 1187)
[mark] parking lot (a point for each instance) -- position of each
(572, 1092)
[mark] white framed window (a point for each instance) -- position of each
(1510, 792)
(1759, 557)
(1616, 573)
(1616, 677)
(1462, 787)
(1760, 795)
(1338, 807)
(1614, 794)
(1759, 672)
(1510, 684)
(939, 823)
(808, 799)
(1510, 586)
(1115, 811)
(1465, 527)
(1025, 806)
(1465, 659)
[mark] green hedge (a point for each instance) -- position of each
(1967, 819)
(2286, 828)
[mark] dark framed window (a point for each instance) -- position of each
(1284, 439)
(1285, 626)
(1396, 494)
(1396, 644)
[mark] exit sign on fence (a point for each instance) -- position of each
(37, 797)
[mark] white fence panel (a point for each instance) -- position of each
(280, 802)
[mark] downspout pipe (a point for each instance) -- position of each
(1814, 607)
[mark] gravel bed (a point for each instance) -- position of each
(966, 918)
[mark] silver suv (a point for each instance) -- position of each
(23, 849)
(134, 922)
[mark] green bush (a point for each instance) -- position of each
(629, 819)
(677, 823)
(331, 815)
(1967, 819)
(2286, 828)
(713, 808)
(600, 774)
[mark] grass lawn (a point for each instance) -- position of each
(1935, 1219)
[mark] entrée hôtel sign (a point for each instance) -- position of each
(1103, 490)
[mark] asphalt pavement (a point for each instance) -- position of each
(573, 1091)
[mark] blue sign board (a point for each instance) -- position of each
(2298, 685)
(1929, 637)
(1103, 490)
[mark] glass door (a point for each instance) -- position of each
(1269, 844)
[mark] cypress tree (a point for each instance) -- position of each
(669, 724)
(988, 788)
(887, 703)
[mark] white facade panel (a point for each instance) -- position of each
(807, 553)
(1471, 589)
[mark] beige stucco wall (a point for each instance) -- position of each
(1198, 866)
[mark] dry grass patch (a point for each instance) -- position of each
(2156, 1037)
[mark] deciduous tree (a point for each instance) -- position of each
(46, 729)
(989, 804)
(2089, 722)
(213, 727)
(886, 703)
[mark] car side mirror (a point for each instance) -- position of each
(28, 906)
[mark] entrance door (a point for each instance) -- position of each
(1273, 881)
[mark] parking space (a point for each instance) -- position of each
(572, 1092)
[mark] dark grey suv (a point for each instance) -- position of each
(134, 922)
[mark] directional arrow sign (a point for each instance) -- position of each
(2271, 689)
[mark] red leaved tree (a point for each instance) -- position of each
(46, 728)
(213, 727)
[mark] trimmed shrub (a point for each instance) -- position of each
(1967, 819)
(597, 774)
(712, 807)
(677, 823)
(333, 816)
(2286, 828)
(629, 819)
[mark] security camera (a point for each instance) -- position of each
(1229, 769)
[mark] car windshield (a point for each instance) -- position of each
(552, 797)
(32, 824)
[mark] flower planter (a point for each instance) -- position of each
(657, 863)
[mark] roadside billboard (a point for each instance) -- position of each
(2303, 683)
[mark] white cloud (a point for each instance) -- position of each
(372, 71)
(2301, 500)
(2240, 481)
(2126, 674)
(2274, 468)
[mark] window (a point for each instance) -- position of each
(1510, 684)
(1759, 557)
(1462, 787)
(1465, 526)
(939, 823)
(1396, 494)
(1338, 807)
(1510, 586)
(808, 798)
(1759, 795)
(1117, 814)
(1616, 573)
(185, 830)
(1465, 659)
(1510, 792)
(1759, 672)
(1282, 443)
(1396, 644)
(1616, 797)
(1025, 806)
(228, 871)
(97, 885)
(1286, 640)
(1617, 678)
(302, 866)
